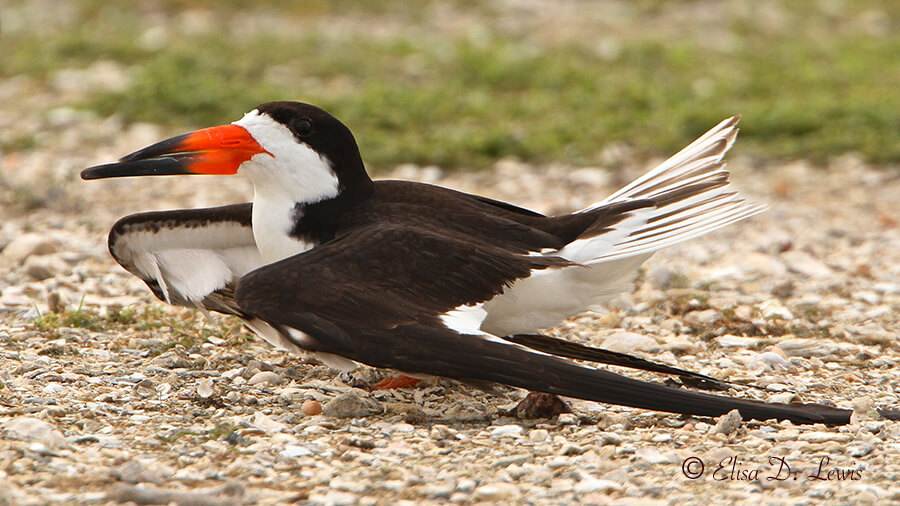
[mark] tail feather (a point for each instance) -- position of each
(441, 352)
(710, 146)
(568, 349)
(692, 193)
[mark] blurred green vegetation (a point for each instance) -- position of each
(459, 85)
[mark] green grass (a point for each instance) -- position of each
(815, 88)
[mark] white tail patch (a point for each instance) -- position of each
(609, 260)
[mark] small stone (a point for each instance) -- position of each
(439, 490)
(28, 245)
(506, 431)
(782, 398)
(311, 407)
(771, 359)
(728, 423)
(204, 388)
(651, 456)
(353, 486)
(609, 438)
(773, 309)
(804, 348)
(860, 450)
(609, 419)
(292, 451)
(804, 263)
(703, 317)
(267, 424)
(34, 429)
(350, 405)
(628, 342)
(863, 404)
(538, 435)
(264, 377)
(593, 485)
(135, 471)
(467, 412)
(540, 405)
(442, 432)
(869, 297)
(567, 419)
(44, 267)
(496, 492)
(822, 437)
(729, 341)
(572, 449)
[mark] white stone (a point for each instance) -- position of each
(628, 342)
(593, 485)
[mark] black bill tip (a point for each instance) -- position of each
(150, 167)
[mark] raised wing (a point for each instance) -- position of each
(410, 300)
(189, 257)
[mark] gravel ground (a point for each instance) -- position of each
(155, 404)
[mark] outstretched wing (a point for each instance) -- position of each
(189, 257)
(410, 300)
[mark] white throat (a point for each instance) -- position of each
(290, 172)
(273, 218)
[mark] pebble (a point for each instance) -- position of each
(44, 267)
(771, 359)
(773, 309)
(651, 456)
(311, 407)
(609, 438)
(265, 377)
(267, 424)
(728, 423)
(629, 342)
(610, 418)
(441, 432)
(858, 450)
(703, 318)
(506, 431)
(822, 437)
(593, 485)
(34, 429)
(204, 388)
(729, 341)
(805, 348)
(804, 263)
(496, 492)
(538, 435)
(572, 449)
(28, 245)
(350, 405)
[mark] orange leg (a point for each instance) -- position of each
(395, 382)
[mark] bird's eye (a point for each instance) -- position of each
(301, 127)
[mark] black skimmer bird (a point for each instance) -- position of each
(418, 278)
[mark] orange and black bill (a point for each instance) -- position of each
(216, 150)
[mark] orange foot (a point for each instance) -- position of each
(395, 382)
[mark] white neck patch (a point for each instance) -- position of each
(290, 173)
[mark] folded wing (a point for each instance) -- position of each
(189, 257)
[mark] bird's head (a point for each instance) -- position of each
(290, 146)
